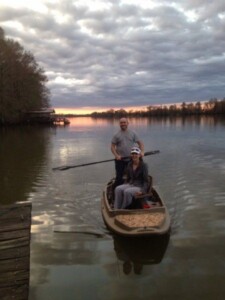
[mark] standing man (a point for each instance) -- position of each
(121, 145)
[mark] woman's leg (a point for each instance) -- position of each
(119, 193)
(129, 193)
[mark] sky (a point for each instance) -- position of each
(112, 54)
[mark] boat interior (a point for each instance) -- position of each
(145, 201)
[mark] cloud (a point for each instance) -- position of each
(123, 53)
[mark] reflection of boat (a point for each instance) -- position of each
(135, 253)
(135, 222)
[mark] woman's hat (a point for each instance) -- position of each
(135, 150)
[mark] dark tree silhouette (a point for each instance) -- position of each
(22, 82)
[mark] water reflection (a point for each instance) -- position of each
(136, 253)
(62, 260)
(188, 174)
(84, 122)
(183, 121)
(24, 152)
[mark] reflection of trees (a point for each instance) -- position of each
(22, 153)
(64, 250)
(135, 253)
(191, 120)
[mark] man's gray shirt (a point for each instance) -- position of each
(124, 141)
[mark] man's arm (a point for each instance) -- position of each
(141, 146)
(113, 149)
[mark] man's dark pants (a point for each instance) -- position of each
(120, 166)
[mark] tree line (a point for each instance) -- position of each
(211, 107)
(22, 82)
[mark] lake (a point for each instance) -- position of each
(188, 173)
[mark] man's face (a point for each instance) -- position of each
(123, 124)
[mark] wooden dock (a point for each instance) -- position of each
(15, 224)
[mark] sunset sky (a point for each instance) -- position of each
(116, 54)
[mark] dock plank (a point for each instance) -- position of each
(15, 224)
(14, 253)
(15, 243)
(9, 235)
(18, 292)
(14, 264)
(14, 278)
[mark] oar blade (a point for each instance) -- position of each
(62, 168)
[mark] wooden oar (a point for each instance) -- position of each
(63, 168)
(78, 229)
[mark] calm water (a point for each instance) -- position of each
(188, 173)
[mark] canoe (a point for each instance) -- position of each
(135, 222)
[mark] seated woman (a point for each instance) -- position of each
(136, 181)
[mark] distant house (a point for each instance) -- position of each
(46, 116)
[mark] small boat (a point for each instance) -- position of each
(66, 121)
(154, 220)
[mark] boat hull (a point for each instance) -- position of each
(135, 222)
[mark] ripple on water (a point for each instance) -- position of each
(219, 199)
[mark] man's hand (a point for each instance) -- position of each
(118, 157)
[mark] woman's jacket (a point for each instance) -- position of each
(138, 177)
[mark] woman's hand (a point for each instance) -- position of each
(138, 193)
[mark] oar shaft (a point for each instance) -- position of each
(63, 168)
(81, 165)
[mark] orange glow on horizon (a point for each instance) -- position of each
(89, 110)
(74, 111)
(81, 122)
